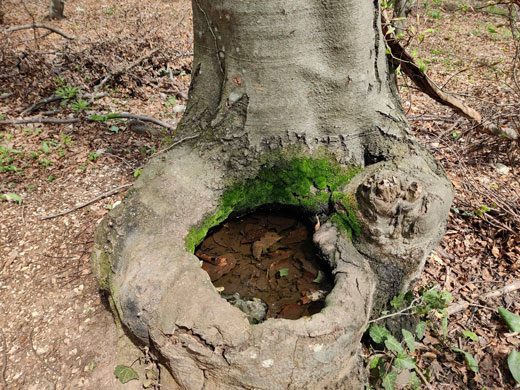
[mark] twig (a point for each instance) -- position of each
(38, 25)
(397, 313)
(174, 144)
(39, 357)
(124, 115)
(452, 309)
(102, 196)
(38, 120)
(54, 98)
(4, 361)
(143, 118)
(423, 378)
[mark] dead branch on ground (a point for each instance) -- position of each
(121, 115)
(401, 58)
(102, 196)
(38, 25)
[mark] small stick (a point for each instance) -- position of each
(38, 25)
(39, 357)
(4, 361)
(102, 196)
(452, 309)
(38, 120)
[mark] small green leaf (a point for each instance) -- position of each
(374, 362)
(319, 278)
(378, 333)
(114, 129)
(470, 335)
(444, 324)
(138, 172)
(125, 374)
(389, 380)
(397, 302)
(284, 271)
(113, 115)
(403, 361)
(513, 362)
(408, 339)
(472, 363)
(91, 365)
(512, 320)
(45, 148)
(100, 118)
(393, 344)
(420, 329)
(11, 196)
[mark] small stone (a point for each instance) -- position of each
(502, 169)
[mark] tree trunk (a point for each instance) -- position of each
(56, 9)
(293, 105)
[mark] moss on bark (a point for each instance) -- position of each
(306, 182)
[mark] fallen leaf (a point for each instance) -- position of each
(265, 242)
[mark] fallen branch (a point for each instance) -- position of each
(401, 58)
(452, 309)
(143, 118)
(102, 196)
(124, 115)
(38, 120)
(38, 25)
(4, 361)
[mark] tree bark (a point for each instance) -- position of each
(279, 90)
(56, 9)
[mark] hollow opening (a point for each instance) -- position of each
(266, 264)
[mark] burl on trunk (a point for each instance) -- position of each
(293, 105)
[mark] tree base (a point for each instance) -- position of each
(379, 223)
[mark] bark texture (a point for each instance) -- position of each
(284, 87)
(56, 9)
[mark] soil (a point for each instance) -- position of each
(270, 257)
(56, 332)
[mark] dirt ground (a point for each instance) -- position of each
(56, 331)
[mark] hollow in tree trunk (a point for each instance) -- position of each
(56, 9)
(293, 105)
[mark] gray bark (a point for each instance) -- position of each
(56, 9)
(300, 77)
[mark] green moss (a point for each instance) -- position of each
(105, 272)
(306, 182)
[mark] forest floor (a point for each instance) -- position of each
(55, 329)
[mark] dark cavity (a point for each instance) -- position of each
(267, 265)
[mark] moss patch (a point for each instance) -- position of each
(300, 181)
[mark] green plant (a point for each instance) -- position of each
(12, 197)
(93, 156)
(66, 140)
(66, 91)
(431, 306)
(170, 102)
(435, 14)
(80, 105)
(109, 11)
(137, 173)
(45, 162)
